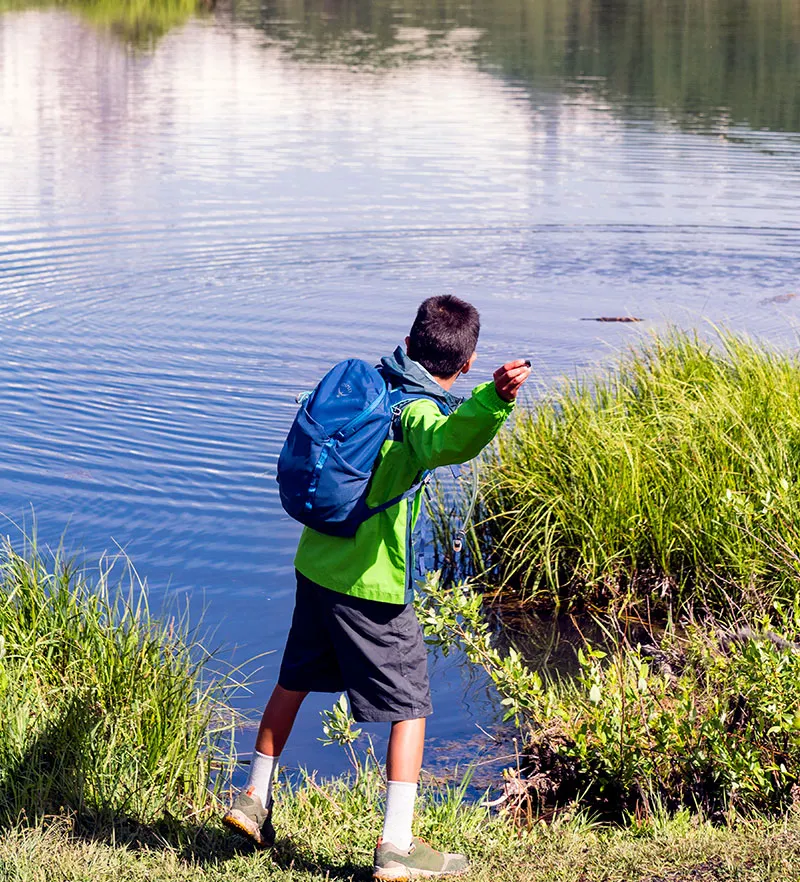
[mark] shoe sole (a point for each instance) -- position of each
(406, 874)
(238, 821)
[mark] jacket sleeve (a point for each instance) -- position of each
(437, 440)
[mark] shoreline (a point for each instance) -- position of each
(325, 832)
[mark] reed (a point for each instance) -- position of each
(673, 476)
(106, 713)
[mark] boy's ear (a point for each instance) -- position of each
(468, 365)
(408, 340)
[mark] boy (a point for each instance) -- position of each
(354, 627)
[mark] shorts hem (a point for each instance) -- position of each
(370, 715)
(315, 687)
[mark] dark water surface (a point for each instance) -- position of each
(193, 229)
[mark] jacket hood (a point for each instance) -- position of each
(402, 372)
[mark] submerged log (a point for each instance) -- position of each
(613, 318)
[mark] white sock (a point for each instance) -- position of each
(400, 796)
(262, 774)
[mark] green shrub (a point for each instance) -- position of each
(707, 720)
(104, 711)
(674, 476)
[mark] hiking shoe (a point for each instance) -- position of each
(419, 862)
(247, 815)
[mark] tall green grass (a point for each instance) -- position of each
(105, 713)
(674, 476)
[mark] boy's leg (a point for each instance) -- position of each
(277, 721)
(404, 754)
(403, 764)
(276, 726)
(251, 812)
(309, 664)
(398, 854)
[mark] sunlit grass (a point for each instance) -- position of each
(105, 712)
(326, 830)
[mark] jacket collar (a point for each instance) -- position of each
(407, 375)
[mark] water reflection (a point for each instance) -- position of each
(139, 24)
(705, 64)
(549, 642)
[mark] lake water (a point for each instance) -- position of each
(195, 224)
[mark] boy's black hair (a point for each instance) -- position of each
(444, 334)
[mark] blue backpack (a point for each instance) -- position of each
(327, 460)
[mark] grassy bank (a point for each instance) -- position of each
(114, 744)
(105, 712)
(673, 476)
(327, 833)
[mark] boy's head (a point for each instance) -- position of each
(444, 335)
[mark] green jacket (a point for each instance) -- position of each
(378, 562)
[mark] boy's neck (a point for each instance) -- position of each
(447, 383)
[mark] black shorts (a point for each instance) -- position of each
(374, 651)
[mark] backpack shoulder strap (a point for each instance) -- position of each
(399, 402)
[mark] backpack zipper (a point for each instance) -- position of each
(354, 423)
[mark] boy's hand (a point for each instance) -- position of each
(509, 378)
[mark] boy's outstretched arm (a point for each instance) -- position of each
(437, 440)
